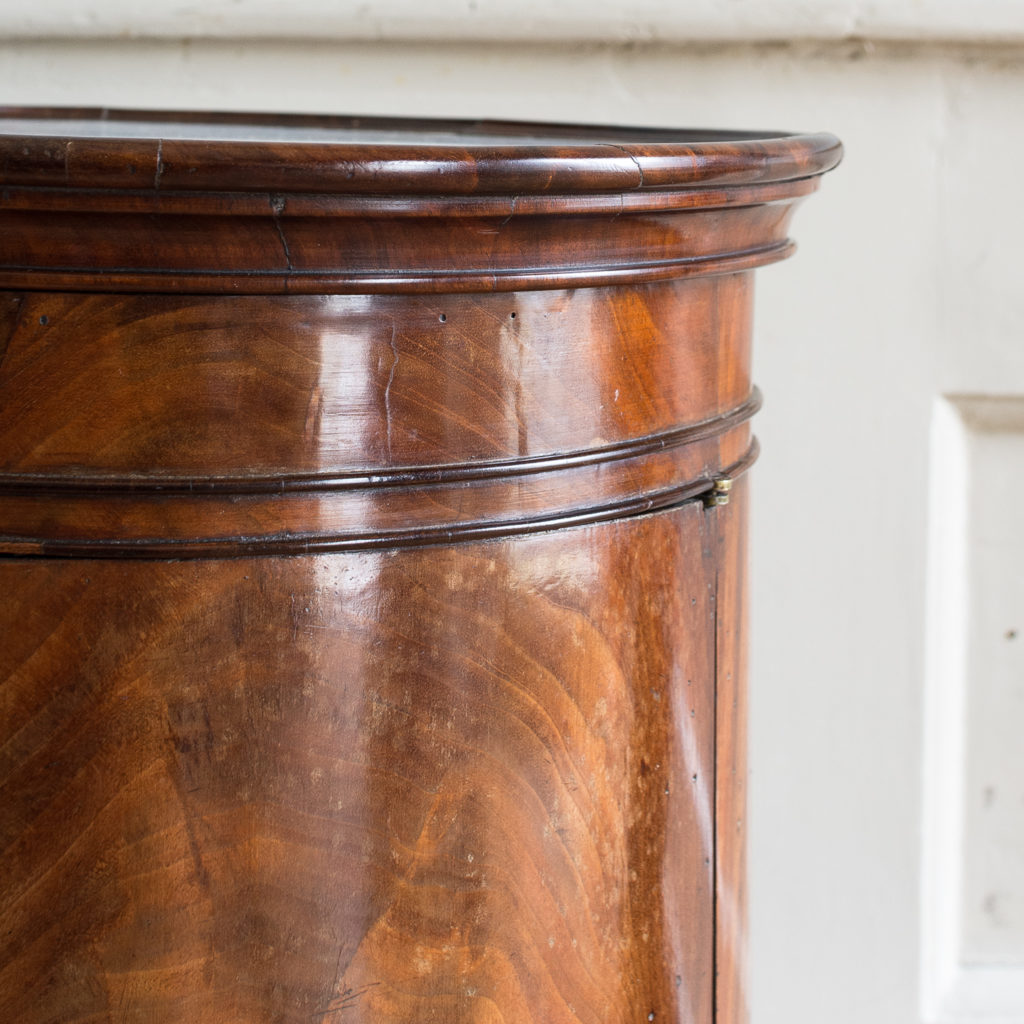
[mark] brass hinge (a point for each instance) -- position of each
(719, 493)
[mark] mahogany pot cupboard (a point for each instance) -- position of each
(371, 566)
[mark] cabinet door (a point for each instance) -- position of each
(472, 782)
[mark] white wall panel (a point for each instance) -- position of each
(615, 21)
(973, 912)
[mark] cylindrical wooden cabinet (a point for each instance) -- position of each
(371, 588)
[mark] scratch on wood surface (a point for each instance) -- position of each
(346, 999)
(387, 387)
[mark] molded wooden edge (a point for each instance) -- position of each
(414, 283)
(282, 205)
(316, 543)
(411, 476)
(625, 159)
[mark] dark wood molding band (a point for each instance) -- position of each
(472, 207)
(81, 483)
(257, 282)
(453, 158)
(431, 252)
(340, 205)
(322, 543)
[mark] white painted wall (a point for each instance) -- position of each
(563, 21)
(904, 289)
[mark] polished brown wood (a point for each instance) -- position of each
(441, 784)
(430, 214)
(372, 611)
(731, 759)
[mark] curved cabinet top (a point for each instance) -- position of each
(144, 201)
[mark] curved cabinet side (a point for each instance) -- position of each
(465, 783)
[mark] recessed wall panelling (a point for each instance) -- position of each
(974, 854)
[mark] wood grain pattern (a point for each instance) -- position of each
(372, 633)
(443, 784)
(730, 612)
(172, 215)
(368, 420)
(388, 156)
(101, 526)
(329, 385)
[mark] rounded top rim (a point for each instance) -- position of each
(175, 151)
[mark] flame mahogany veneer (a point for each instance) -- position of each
(372, 639)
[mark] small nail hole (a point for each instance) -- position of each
(44, 320)
(442, 318)
(511, 316)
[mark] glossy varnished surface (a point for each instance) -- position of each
(730, 554)
(441, 785)
(372, 628)
(422, 214)
(187, 426)
(154, 150)
(160, 386)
